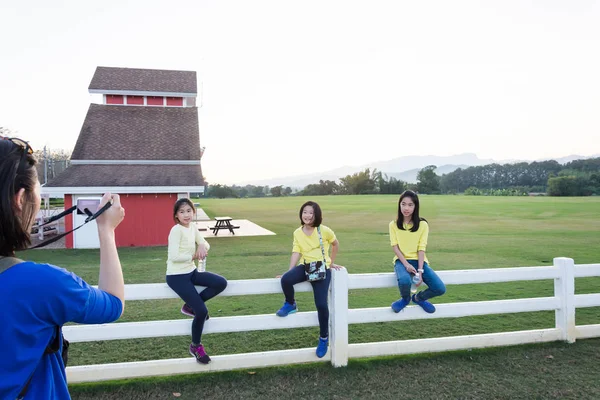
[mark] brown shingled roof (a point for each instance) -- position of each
(129, 175)
(138, 133)
(146, 80)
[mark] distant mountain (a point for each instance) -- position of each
(299, 181)
(390, 167)
(410, 176)
(404, 168)
(402, 164)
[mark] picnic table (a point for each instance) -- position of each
(223, 223)
(52, 227)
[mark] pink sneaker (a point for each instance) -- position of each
(199, 353)
(187, 310)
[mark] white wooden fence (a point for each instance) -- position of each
(564, 302)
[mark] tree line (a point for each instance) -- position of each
(364, 182)
(576, 178)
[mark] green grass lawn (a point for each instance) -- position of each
(547, 371)
(465, 233)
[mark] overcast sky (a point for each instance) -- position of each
(292, 87)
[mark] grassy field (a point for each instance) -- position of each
(465, 233)
(548, 371)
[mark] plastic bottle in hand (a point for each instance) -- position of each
(416, 278)
(202, 265)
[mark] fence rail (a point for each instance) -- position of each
(564, 302)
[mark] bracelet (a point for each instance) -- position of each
(421, 270)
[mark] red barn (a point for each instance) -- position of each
(141, 142)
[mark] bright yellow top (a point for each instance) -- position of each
(410, 243)
(182, 247)
(309, 246)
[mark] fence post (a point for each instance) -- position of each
(338, 334)
(564, 289)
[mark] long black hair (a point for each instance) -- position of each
(416, 220)
(17, 171)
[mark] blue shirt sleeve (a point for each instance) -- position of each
(102, 307)
(76, 301)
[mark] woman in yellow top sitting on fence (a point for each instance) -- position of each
(408, 237)
(311, 261)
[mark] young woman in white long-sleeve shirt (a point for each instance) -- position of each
(186, 244)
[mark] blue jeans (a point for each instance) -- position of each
(184, 286)
(320, 291)
(435, 286)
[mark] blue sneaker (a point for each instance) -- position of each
(399, 305)
(322, 347)
(425, 305)
(286, 309)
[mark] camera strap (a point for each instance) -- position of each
(90, 217)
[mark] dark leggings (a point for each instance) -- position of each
(320, 291)
(184, 286)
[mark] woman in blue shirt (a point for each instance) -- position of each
(38, 298)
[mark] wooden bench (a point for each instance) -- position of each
(223, 223)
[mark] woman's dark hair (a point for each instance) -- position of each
(178, 204)
(17, 171)
(318, 216)
(416, 220)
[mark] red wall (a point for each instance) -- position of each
(175, 101)
(68, 222)
(148, 219)
(135, 100)
(114, 99)
(154, 101)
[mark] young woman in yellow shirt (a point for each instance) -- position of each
(408, 237)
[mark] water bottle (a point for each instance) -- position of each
(414, 281)
(202, 265)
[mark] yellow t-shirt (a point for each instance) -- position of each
(182, 246)
(309, 246)
(410, 243)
